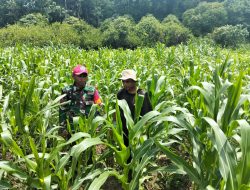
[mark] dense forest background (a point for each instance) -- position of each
(123, 23)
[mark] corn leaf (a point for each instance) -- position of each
(140, 125)
(47, 182)
(8, 141)
(142, 150)
(62, 162)
(118, 119)
(234, 93)
(227, 156)
(85, 144)
(77, 184)
(133, 185)
(244, 166)
(5, 104)
(1, 92)
(13, 169)
(5, 185)
(127, 113)
(183, 165)
(138, 105)
(98, 182)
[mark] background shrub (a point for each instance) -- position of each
(33, 19)
(149, 31)
(205, 17)
(64, 34)
(174, 32)
(73, 20)
(171, 18)
(89, 36)
(119, 32)
(230, 35)
(34, 35)
(38, 35)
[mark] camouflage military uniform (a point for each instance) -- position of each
(80, 103)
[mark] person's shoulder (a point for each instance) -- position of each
(89, 88)
(120, 93)
(122, 90)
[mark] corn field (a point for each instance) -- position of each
(199, 124)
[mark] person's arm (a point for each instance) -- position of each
(63, 110)
(97, 98)
(98, 101)
(147, 106)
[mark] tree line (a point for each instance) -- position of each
(92, 11)
(225, 21)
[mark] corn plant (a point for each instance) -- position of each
(142, 150)
(224, 170)
(200, 118)
(41, 159)
(136, 149)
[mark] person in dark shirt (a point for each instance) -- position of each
(128, 93)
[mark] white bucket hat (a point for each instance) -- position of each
(128, 74)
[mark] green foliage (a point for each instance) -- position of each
(10, 12)
(119, 32)
(73, 20)
(93, 11)
(149, 31)
(16, 34)
(39, 35)
(205, 17)
(200, 120)
(175, 33)
(56, 13)
(230, 35)
(64, 34)
(70, 32)
(33, 19)
(115, 31)
(171, 18)
(90, 37)
(238, 12)
(219, 107)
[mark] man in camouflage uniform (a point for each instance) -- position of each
(80, 96)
